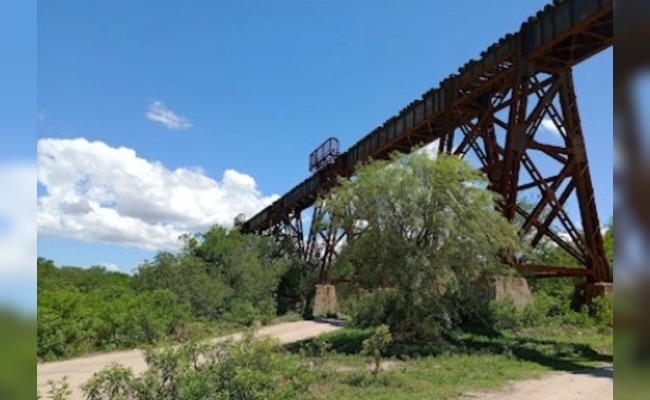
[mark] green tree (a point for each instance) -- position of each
(375, 345)
(428, 228)
(296, 288)
(219, 273)
(608, 239)
(248, 264)
(87, 309)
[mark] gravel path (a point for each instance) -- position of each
(79, 370)
(592, 384)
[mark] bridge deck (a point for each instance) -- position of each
(559, 36)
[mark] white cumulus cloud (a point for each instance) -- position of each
(99, 193)
(17, 217)
(159, 112)
(550, 126)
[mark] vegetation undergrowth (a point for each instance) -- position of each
(221, 282)
(352, 363)
(455, 362)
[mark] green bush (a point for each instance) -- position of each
(474, 314)
(347, 341)
(363, 379)
(250, 369)
(546, 308)
(532, 315)
(221, 275)
(72, 323)
(242, 312)
(542, 308)
(505, 315)
(156, 315)
(317, 352)
(579, 318)
(603, 307)
(374, 309)
(376, 345)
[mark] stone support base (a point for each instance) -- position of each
(593, 290)
(501, 288)
(325, 301)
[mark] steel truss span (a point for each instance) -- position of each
(496, 111)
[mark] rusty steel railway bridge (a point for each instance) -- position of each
(493, 107)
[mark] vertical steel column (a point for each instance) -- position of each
(515, 139)
(597, 259)
(325, 239)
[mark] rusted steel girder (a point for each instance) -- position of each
(506, 148)
(532, 66)
(318, 247)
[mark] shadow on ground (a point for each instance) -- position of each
(603, 372)
(331, 321)
(555, 354)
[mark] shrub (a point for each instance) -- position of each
(81, 311)
(505, 315)
(317, 353)
(603, 310)
(375, 345)
(541, 308)
(362, 379)
(374, 309)
(243, 313)
(250, 369)
(57, 390)
(579, 318)
(347, 341)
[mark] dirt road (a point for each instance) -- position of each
(79, 370)
(593, 384)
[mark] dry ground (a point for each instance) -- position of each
(593, 384)
(79, 370)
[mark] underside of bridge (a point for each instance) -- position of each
(514, 113)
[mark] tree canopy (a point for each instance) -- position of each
(424, 227)
(221, 275)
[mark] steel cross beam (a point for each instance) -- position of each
(318, 248)
(496, 105)
(505, 151)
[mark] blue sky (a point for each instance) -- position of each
(18, 93)
(17, 152)
(242, 86)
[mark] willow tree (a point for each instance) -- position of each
(424, 228)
